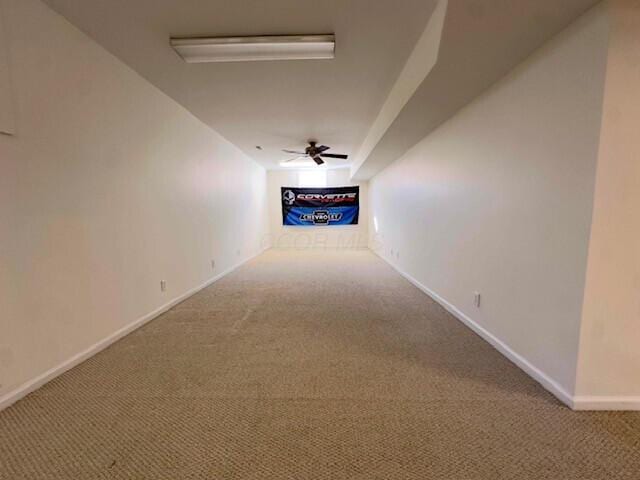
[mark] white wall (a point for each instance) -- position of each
(499, 200)
(610, 343)
(108, 188)
(342, 236)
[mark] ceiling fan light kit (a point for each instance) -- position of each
(249, 49)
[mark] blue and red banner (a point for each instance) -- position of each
(320, 206)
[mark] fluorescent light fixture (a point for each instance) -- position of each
(247, 49)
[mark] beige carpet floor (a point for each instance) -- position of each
(323, 365)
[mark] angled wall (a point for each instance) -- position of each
(498, 200)
(609, 366)
(108, 188)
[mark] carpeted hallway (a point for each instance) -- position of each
(324, 365)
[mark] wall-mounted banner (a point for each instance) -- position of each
(320, 206)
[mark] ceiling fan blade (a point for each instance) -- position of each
(322, 148)
(318, 160)
(294, 152)
(335, 155)
(293, 159)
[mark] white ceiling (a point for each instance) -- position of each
(272, 104)
(338, 102)
(481, 41)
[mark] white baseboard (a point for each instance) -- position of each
(32, 385)
(545, 380)
(577, 402)
(624, 403)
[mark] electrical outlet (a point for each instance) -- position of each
(476, 299)
(213, 264)
(163, 285)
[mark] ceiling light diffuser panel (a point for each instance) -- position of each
(250, 49)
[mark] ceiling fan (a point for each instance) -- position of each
(315, 152)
